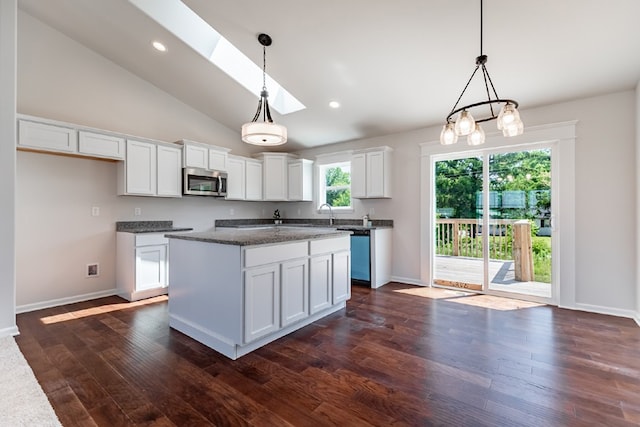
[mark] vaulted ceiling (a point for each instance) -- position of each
(393, 65)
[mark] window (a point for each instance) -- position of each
(335, 185)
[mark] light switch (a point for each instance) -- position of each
(95, 211)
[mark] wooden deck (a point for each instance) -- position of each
(464, 270)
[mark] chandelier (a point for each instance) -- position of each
(508, 119)
(265, 132)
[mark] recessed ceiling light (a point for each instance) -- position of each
(334, 104)
(159, 46)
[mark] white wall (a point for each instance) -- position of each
(56, 234)
(8, 10)
(638, 203)
(605, 197)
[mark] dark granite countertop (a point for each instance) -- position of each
(260, 235)
(355, 224)
(148, 227)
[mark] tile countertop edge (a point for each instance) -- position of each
(255, 238)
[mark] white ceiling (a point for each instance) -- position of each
(393, 65)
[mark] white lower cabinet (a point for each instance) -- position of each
(142, 265)
(294, 293)
(261, 301)
(341, 276)
(319, 283)
(151, 267)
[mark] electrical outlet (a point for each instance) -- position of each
(137, 211)
(95, 211)
(298, 212)
(232, 211)
(372, 211)
(93, 269)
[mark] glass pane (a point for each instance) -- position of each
(458, 241)
(519, 222)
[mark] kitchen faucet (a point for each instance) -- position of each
(330, 212)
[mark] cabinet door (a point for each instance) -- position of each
(253, 184)
(96, 144)
(218, 160)
(295, 181)
(169, 171)
(275, 178)
(319, 283)
(261, 301)
(151, 267)
(141, 168)
(375, 174)
(235, 178)
(341, 277)
(196, 157)
(47, 137)
(359, 175)
(294, 291)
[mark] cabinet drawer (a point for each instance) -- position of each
(276, 253)
(101, 145)
(323, 246)
(47, 137)
(147, 239)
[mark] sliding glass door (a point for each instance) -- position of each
(500, 243)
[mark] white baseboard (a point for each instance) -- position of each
(9, 332)
(637, 318)
(62, 301)
(408, 281)
(604, 310)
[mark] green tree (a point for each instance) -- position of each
(338, 187)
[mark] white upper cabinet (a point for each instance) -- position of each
(101, 145)
(196, 156)
(151, 169)
(140, 168)
(236, 189)
(47, 137)
(204, 156)
(253, 179)
(300, 180)
(218, 159)
(169, 171)
(371, 173)
(38, 134)
(275, 168)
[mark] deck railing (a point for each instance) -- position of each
(463, 237)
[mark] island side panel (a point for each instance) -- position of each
(205, 296)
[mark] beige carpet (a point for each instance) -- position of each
(23, 403)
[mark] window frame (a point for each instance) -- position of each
(321, 188)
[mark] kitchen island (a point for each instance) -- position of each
(236, 290)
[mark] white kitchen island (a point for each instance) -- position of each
(236, 290)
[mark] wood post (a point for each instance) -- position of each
(522, 252)
(456, 238)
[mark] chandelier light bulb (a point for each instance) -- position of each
(513, 129)
(465, 123)
(448, 135)
(508, 115)
(476, 137)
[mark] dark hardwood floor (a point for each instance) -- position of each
(399, 355)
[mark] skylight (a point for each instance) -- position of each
(185, 24)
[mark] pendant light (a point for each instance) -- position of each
(265, 132)
(508, 119)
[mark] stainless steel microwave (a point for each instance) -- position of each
(203, 182)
